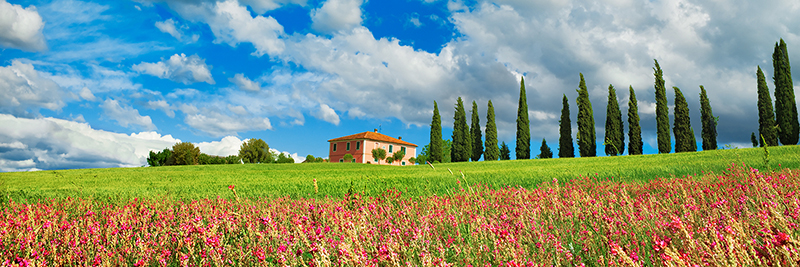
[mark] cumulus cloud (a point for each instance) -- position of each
(21, 28)
(336, 15)
(212, 121)
(229, 145)
(178, 68)
(126, 115)
(49, 143)
(244, 83)
(326, 113)
(22, 88)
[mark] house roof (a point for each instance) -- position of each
(372, 136)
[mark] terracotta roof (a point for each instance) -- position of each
(373, 136)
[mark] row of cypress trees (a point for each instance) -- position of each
(467, 142)
(782, 125)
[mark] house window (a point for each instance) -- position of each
(403, 149)
(404, 163)
(341, 160)
(358, 145)
(348, 146)
(334, 147)
(390, 148)
(354, 160)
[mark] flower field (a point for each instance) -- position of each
(742, 217)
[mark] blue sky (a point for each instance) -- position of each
(100, 83)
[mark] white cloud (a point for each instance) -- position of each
(244, 83)
(21, 28)
(22, 88)
(215, 123)
(229, 145)
(161, 105)
(49, 143)
(336, 15)
(326, 113)
(178, 68)
(87, 94)
(168, 26)
(126, 115)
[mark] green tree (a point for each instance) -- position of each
(505, 153)
(475, 134)
(662, 112)
(462, 144)
(310, 159)
(185, 153)
(378, 154)
(785, 104)
(285, 158)
(684, 135)
(634, 130)
(709, 122)
(565, 148)
(413, 160)
(233, 159)
(159, 158)
(544, 151)
(204, 159)
(436, 152)
(753, 139)
(399, 155)
(492, 151)
(389, 160)
(255, 151)
(766, 117)
(523, 148)
(615, 137)
(586, 135)
(347, 157)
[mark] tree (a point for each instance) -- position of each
(565, 148)
(378, 154)
(662, 112)
(462, 144)
(766, 117)
(492, 151)
(709, 122)
(310, 159)
(475, 134)
(413, 160)
(204, 159)
(615, 137)
(505, 153)
(255, 151)
(347, 157)
(785, 104)
(399, 155)
(634, 130)
(684, 135)
(753, 139)
(544, 151)
(436, 152)
(185, 153)
(523, 148)
(285, 158)
(233, 159)
(586, 136)
(159, 158)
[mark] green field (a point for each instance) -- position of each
(334, 179)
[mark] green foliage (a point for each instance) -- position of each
(709, 123)
(544, 151)
(492, 150)
(475, 134)
(285, 158)
(523, 148)
(505, 153)
(389, 160)
(634, 130)
(413, 160)
(785, 103)
(586, 136)
(255, 151)
(347, 157)
(378, 154)
(565, 148)
(662, 112)
(159, 158)
(312, 159)
(436, 146)
(462, 143)
(233, 159)
(684, 135)
(615, 137)
(398, 155)
(753, 139)
(766, 117)
(184, 153)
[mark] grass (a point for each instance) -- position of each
(334, 179)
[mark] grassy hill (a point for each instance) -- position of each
(334, 179)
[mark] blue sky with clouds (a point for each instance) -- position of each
(101, 83)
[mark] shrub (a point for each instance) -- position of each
(184, 153)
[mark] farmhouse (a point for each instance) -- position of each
(360, 146)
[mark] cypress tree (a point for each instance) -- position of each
(766, 118)
(523, 148)
(436, 146)
(475, 134)
(785, 104)
(505, 153)
(492, 151)
(662, 112)
(586, 136)
(544, 151)
(753, 139)
(684, 135)
(565, 148)
(709, 122)
(615, 138)
(462, 144)
(634, 130)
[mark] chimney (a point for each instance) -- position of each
(376, 130)
(399, 138)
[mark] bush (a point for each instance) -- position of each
(159, 158)
(255, 151)
(348, 158)
(184, 153)
(399, 155)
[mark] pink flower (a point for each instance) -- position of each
(230, 187)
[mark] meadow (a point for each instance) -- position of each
(119, 185)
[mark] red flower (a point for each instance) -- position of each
(230, 187)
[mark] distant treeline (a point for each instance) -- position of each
(186, 153)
